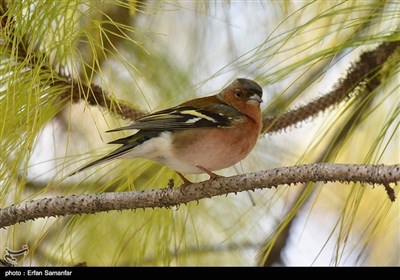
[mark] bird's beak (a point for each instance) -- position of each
(256, 98)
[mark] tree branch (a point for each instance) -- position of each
(75, 91)
(94, 95)
(92, 203)
(361, 78)
(363, 71)
(272, 251)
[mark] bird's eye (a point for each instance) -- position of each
(239, 93)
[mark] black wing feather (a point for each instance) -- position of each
(184, 117)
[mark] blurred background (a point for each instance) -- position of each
(157, 54)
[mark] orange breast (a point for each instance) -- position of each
(219, 148)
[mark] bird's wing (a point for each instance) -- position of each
(187, 116)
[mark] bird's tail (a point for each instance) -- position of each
(128, 143)
(113, 155)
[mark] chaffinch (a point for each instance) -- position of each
(199, 136)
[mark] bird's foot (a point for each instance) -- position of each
(186, 182)
(212, 175)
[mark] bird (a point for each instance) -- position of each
(202, 135)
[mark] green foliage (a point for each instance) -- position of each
(157, 54)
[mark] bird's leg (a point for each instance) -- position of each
(211, 174)
(186, 182)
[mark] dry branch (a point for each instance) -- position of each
(166, 197)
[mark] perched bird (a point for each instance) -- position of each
(199, 136)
